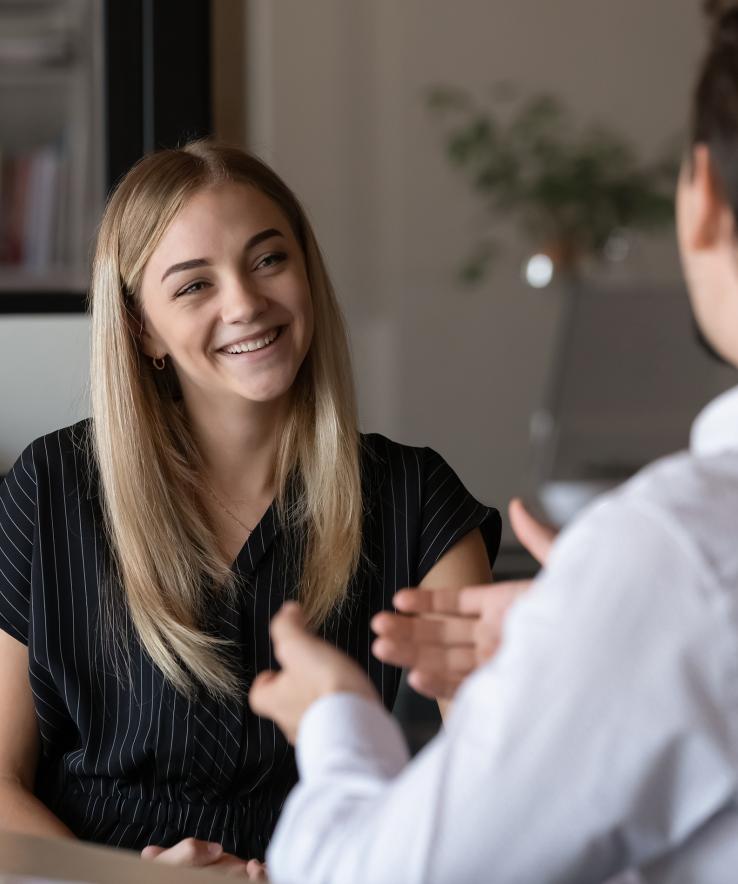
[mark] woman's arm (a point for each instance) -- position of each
(455, 629)
(465, 564)
(20, 810)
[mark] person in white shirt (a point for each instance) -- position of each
(601, 738)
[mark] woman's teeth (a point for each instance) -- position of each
(250, 346)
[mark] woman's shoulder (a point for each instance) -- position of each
(72, 438)
(67, 449)
(381, 448)
(413, 487)
(385, 460)
(381, 456)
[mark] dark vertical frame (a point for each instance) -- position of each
(157, 91)
(124, 87)
(180, 88)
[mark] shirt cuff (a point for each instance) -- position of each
(344, 731)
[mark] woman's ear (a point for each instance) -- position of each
(149, 344)
(706, 210)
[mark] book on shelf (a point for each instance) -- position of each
(33, 229)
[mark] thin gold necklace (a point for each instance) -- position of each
(228, 512)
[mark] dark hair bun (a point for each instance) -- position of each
(724, 16)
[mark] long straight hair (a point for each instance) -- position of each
(163, 551)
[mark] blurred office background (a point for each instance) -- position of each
(525, 390)
(520, 392)
(336, 99)
(334, 95)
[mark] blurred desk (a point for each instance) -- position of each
(60, 859)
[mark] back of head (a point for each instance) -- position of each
(715, 114)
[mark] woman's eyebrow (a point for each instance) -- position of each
(205, 262)
(185, 265)
(260, 237)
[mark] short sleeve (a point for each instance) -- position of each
(17, 530)
(449, 512)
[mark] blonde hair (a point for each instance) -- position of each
(164, 552)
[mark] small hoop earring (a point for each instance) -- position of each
(159, 363)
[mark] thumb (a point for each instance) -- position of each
(289, 633)
(263, 693)
(535, 536)
(273, 695)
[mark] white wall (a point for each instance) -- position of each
(336, 103)
(43, 381)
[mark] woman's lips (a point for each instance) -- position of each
(254, 343)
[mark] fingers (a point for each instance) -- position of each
(487, 642)
(233, 867)
(536, 537)
(469, 602)
(294, 646)
(442, 630)
(256, 871)
(432, 685)
(188, 852)
(453, 642)
(456, 659)
(264, 694)
(460, 602)
(414, 641)
(288, 630)
(193, 852)
(311, 669)
(497, 603)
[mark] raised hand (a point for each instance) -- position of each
(311, 669)
(193, 852)
(454, 630)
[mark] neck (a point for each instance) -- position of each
(238, 445)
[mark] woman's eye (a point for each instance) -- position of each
(192, 288)
(271, 260)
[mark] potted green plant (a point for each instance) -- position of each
(569, 188)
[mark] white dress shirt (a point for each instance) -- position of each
(602, 737)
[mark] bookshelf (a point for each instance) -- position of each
(101, 82)
(86, 88)
(51, 150)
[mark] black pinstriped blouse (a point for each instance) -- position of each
(128, 761)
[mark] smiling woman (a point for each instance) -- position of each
(144, 552)
(236, 323)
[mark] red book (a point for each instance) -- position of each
(18, 198)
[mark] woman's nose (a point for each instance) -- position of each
(240, 302)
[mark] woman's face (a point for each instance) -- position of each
(225, 296)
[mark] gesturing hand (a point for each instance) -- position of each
(193, 852)
(311, 669)
(454, 630)
(536, 537)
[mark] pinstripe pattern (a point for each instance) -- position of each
(130, 762)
